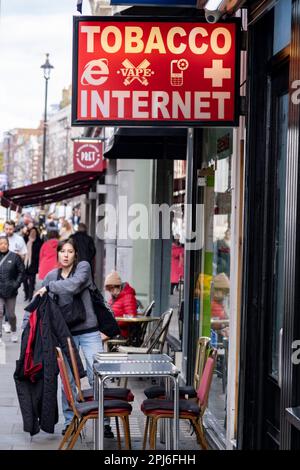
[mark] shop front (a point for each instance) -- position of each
(213, 270)
(212, 197)
(269, 372)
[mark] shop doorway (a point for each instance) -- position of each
(272, 383)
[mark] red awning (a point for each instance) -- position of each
(46, 192)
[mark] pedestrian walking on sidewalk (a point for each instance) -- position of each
(16, 245)
(177, 263)
(85, 245)
(31, 262)
(63, 283)
(16, 242)
(11, 276)
(48, 252)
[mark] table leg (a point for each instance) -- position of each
(101, 413)
(162, 422)
(176, 414)
(95, 422)
(168, 421)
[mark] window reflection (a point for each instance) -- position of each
(212, 288)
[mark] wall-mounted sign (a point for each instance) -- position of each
(88, 156)
(146, 71)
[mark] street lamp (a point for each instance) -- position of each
(47, 69)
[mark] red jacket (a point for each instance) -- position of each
(124, 304)
(48, 257)
(177, 263)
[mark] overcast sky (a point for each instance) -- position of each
(29, 29)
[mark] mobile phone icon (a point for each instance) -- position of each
(178, 66)
(176, 74)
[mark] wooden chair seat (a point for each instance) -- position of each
(158, 391)
(167, 407)
(117, 393)
(113, 406)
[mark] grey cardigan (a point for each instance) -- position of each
(66, 288)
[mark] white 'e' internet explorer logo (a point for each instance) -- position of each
(93, 69)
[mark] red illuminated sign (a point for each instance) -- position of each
(88, 156)
(155, 72)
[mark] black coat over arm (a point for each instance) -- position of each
(37, 393)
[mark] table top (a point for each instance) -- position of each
(136, 369)
(124, 357)
(138, 319)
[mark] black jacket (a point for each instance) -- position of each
(11, 275)
(85, 246)
(36, 377)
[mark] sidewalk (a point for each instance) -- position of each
(12, 436)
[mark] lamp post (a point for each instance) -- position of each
(47, 69)
(7, 163)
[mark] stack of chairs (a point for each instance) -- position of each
(193, 398)
(88, 409)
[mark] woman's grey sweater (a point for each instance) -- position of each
(77, 282)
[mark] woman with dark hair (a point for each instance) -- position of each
(31, 262)
(70, 279)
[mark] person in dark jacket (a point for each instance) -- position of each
(36, 369)
(31, 262)
(75, 278)
(85, 244)
(11, 276)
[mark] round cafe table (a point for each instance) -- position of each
(136, 322)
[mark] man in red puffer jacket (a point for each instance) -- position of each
(123, 300)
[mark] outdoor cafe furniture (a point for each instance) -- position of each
(186, 391)
(136, 324)
(90, 410)
(136, 332)
(156, 339)
(110, 393)
(156, 409)
(139, 365)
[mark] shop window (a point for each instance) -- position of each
(212, 289)
(282, 25)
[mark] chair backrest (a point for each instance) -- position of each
(206, 379)
(153, 333)
(201, 356)
(148, 310)
(158, 340)
(65, 380)
(143, 328)
(75, 369)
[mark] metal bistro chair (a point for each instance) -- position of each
(89, 410)
(110, 393)
(187, 391)
(159, 409)
(137, 338)
(138, 330)
(143, 328)
(156, 340)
